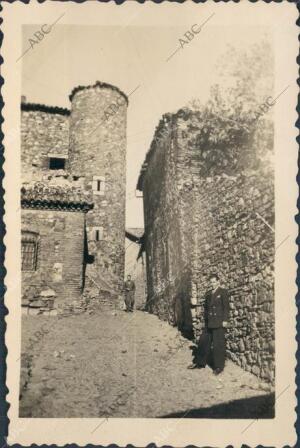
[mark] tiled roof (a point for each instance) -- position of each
(29, 107)
(44, 195)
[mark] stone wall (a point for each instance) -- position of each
(221, 223)
(60, 252)
(98, 150)
(92, 140)
(168, 283)
(43, 134)
(232, 237)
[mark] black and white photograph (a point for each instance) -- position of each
(147, 207)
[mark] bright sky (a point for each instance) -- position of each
(128, 57)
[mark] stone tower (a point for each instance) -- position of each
(98, 155)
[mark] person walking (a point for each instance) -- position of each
(129, 287)
(216, 316)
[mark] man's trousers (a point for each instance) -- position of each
(212, 342)
(129, 300)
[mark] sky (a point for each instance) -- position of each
(130, 57)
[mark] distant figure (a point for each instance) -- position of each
(129, 287)
(216, 316)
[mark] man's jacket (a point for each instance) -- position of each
(129, 286)
(216, 308)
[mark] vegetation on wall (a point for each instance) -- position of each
(234, 129)
(97, 84)
(229, 127)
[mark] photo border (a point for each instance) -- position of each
(4, 404)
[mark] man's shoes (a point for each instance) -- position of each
(192, 366)
(196, 366)
(218, 371)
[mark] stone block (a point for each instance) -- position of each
(33, 311)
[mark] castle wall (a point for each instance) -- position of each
(60, 252)
(98, 152)
(43, 134)
(168, 282)
(224, 225)
(231, 239)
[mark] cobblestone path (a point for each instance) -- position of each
(114, 364)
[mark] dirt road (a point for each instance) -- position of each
(117, 364)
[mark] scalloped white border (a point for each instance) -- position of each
(139, 432)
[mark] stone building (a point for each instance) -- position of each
(53, 234)
(202, 218)
(73, 193)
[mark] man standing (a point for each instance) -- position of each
(129, 287)
(216, 316)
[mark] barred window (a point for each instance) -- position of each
(29, 251)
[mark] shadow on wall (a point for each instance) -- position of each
(178, 314)
(252, 408)
(182, 316)
(87, 258)
(181, 305)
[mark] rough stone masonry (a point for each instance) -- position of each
(73, 195)
(202, 218)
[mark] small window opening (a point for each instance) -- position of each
(98, 185)
(56, 163)
(29, 248)
(97, 234)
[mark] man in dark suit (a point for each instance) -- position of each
(129, 287)
(216, 316)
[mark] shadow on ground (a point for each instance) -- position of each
(197, 357)
(254, 407)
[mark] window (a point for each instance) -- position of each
(56, 163)
(97, 233)
(29, 251)
(98, 185)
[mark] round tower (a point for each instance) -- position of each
(98, 153)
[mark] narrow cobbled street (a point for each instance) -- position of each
(117, 364)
